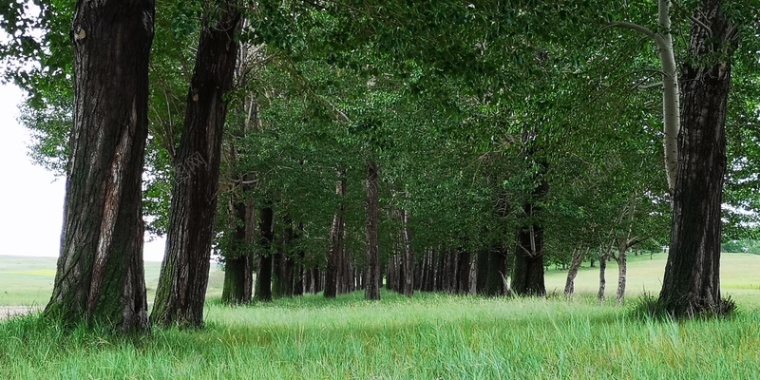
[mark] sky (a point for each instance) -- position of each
(31, 198)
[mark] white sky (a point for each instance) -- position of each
(31, 199)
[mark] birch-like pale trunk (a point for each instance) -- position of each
(671, 107)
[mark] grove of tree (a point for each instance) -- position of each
(331, 146)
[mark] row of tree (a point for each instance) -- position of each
(433, 146)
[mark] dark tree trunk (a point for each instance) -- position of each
(264, 276)
(528, 272)
(575, 264)
(298, 281)
(692, 274)
(463, 272)
(100, 276)
(181, 291)
(482, 270)
(372, 286)
(497, 270)
(335, 257)
(238, 269)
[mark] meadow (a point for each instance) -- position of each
(430, 336)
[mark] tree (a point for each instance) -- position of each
(692, 275)
(100, 275)
(181, 291)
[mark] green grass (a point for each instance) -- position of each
(427, 337)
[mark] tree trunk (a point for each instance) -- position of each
(497, 267)
(335, 256)
(264, 276)
(372, 286)
(181, 291)
(528, 272)
(408, 256)
(692, 275)
(575, 265)
(238, 270)
(622, 261)
(100, 276)
(463, 271)
(602, 275)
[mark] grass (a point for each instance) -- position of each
(427, 337)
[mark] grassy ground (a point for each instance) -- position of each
(426, 337)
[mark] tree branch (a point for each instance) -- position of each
(632, 26)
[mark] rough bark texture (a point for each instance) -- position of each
(264, 276)
(181, 291)
(335, 256)
(100, 276)
(372, 285)
(692, 275)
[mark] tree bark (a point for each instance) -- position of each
(263, 290)
(408, 256)
(372, 286)
(575, 265)
(497, 268)
(100, 276)
(335, 256)
(602, 274)
(238, 270)
(692, 275)
(181, 291)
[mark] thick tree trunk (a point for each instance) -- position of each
(372, 286)
(264, 276)
(100, 276)
(692, 274)
(497, 268)
(528, 272)
(575, 265)
(335, 256)
(181, 291)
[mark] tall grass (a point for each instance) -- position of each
(426, 337)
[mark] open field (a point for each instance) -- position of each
(29, 281)
(430, 336)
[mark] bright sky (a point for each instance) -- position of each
(31, 199)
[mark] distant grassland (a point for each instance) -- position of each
(29, 280)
